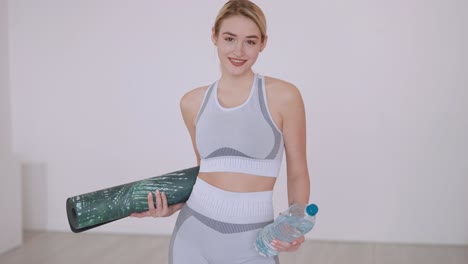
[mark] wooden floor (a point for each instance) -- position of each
(69, 248)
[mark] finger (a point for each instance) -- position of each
(300, 240)
(296, 242)
(164, 201)
(280, 245)
(294, 246)
(158, 200)
(138, 215)
(150, 202)
(286, 246)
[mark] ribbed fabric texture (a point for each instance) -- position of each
(268, 168)
(231, 207)
(241, 139)
(222, 227)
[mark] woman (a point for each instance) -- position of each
(240, 126)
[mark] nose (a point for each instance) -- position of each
(239, 49)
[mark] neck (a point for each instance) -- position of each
(244, 80)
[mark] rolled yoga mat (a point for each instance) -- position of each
(90, 210)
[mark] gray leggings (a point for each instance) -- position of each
(220, 227)
(198, 239)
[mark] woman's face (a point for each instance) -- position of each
(239, 43)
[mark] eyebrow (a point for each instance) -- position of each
(234, 35)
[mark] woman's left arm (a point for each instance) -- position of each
(294, 134)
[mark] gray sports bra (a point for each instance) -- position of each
(240, 139)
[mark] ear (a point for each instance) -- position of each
(214, 38)
(264, 43)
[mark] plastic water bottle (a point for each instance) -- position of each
(293, 223)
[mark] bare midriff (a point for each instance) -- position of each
(238, 182)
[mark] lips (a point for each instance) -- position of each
(237, 62)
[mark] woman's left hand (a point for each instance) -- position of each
(281, 246)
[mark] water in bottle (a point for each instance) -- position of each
(290, 225)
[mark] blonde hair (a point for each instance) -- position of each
(244, 8)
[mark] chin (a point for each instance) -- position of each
(237, 71)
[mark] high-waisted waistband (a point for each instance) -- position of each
(231, 207)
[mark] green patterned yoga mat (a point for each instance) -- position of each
(100, 207)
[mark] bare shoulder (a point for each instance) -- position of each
(192, 100)
(282, 92)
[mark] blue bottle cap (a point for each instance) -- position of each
(312, 209)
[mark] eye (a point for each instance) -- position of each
(251, 42)
(229, 39)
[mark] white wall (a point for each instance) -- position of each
(5, 122)
(10, 188)
(96, 87)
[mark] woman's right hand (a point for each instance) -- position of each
(161, 209)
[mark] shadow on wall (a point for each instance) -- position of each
(34, 176)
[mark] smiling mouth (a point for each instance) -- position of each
(237, 62)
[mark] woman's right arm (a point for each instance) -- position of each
(189, 106)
